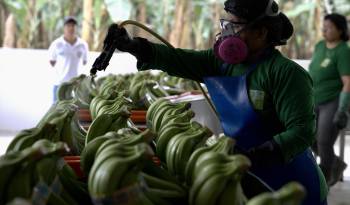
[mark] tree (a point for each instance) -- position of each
(87, 21)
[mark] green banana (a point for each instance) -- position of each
(48, 147)
(77, 189)
(21, 134)
(99, 126)
(207, 194)
(177, 108)
(222, 144)
(292, 193)
(11, 162)
(22, 182)
(217, 164)
(173, 147)
(185, 116)
(233, 193)
(153, 107)
(110, 172)
(29, 140)
(65, 89)
(168, 133)
(87, 156)
(154, 182)
(186, 147)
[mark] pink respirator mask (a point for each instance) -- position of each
(228, 46)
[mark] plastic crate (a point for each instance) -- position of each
(74, 163)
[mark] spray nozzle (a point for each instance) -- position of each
(109, 46)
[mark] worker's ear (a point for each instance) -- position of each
(261, 33)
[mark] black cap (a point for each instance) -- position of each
(70, 19)
(251, 10)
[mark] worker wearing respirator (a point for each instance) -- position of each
(264, 100)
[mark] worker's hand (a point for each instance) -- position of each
(340, 119)
(267, 154)
(139, 47)
(52, 63)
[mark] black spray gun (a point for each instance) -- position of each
(109, 46)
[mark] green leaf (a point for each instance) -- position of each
(301, 8)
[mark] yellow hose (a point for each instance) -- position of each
(140, 25)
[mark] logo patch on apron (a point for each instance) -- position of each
(257, 98)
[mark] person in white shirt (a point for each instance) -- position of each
(67, 53)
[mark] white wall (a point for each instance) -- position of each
(26, 81)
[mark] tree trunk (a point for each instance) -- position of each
(141, 17)
(10, 32)
(186, 40)
(87, 21)
(101, 34)
(175, 35)
(216, 14)
(3, 14)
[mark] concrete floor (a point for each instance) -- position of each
(338, 195)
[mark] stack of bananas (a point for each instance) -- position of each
(39, 173)
(196, 166)
(60, 123)
(144, 87)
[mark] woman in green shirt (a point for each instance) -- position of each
(264, 100)
(330, 71)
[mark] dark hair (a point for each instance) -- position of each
(70, 19)
(340, 22)
(280, 29)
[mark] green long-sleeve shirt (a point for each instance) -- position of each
(326, 68)
(279, 90)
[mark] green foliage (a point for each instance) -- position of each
(38, 18)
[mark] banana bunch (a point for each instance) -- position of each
(170, 131)
(78, 135)
(216, 179)
(108, 104)
(107, 122)
(84, 91)
(292, 193)
(180, 148)
(59, 107)
(220, 144)
(26, 138)
(10, 163)
(145, 92)
(65, 89)
(114, 107)
(163, 107)
(116, 166)
(37, 165)
(130, 138)
(112, 83)
(60, 123)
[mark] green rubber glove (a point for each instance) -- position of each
(341, 116)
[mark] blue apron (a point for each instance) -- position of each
(240, 121)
